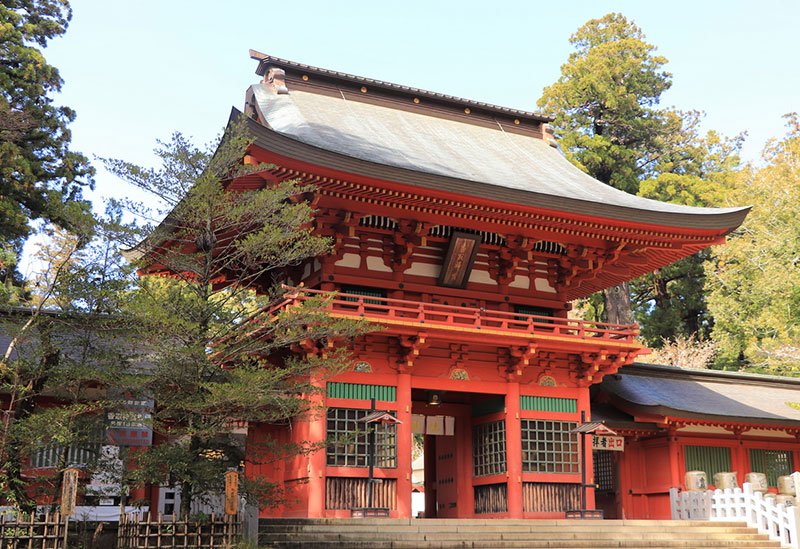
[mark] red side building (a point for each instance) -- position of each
(676, 420)
(462, 230)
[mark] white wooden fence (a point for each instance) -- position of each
(779, 521)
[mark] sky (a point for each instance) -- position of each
(138, 71)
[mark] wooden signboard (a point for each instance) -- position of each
(231, 492)
(614, 443)
(69, 492)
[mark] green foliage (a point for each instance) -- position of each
(609, 124)
(604, 101)
(693, 170)
(40, 177)
(755, 279)
(221, 350)
(63, 346)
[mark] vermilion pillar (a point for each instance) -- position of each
(404, 446)
(674, 466)
(316, 461)
(513, 451)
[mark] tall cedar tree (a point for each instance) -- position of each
(670, 303)
(223, 349)
(40, 177)
(606, 117)
(755, 280)
(61, 350)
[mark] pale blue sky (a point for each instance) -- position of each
(136, 71)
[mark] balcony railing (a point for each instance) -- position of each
(384, 310)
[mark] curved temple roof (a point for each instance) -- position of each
(706, 394)
(487, 159)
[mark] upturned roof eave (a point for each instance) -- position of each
(721, 221)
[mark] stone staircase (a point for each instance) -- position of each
(484, 533)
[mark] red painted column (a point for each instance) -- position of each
(740, 459)
(583, 404)
(674, 462)
(513, 451)
(466, 493)
(404, 446)
(316, 421)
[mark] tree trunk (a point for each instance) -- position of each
(662, 302)
(187, 486)
(618, 304)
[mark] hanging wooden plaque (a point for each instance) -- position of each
(69, 491)
(231, 493)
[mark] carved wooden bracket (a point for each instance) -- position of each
(408, 348)
(503, 263)
(592, 367)
(738, 430)
(400, 245)
(313, 348)
(339, 225)
(585, 263)
(512, 362)
(458, 354)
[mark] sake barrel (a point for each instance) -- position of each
(786, 485)
(758, 481)
(696, 481)
(725, 480)
(785, 499)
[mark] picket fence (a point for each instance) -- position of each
(779, 521)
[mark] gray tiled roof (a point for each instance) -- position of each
(696, 394)
(521, 168)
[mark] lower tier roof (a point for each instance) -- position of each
(705, 394)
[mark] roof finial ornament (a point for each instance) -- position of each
(275, 79)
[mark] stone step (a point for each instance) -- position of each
(509, 534)
(574, 544)
(485, 522)
(531, 526)
(622, 536)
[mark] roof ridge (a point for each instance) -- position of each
(265, 60)
(709, 373)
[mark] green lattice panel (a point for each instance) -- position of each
(548, 404)
(361, 391)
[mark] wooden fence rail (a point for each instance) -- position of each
(141, 532)
(47, 533)
(778, 521)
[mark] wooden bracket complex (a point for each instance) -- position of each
(513, 361)
(592, 367)
(408, 348)
(503, 263)
(401, 244)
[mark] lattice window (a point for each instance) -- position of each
(533, 311)
(364, 291)
(773, 463)
(489, 448)
(711, 459)
(549, 447)
(350, 441)
(77, 456)
(604, 471)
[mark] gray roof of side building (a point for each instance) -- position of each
(705, 394)
(96, 338)
(449, 153)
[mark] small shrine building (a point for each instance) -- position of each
(676, 420)
(464, 232)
